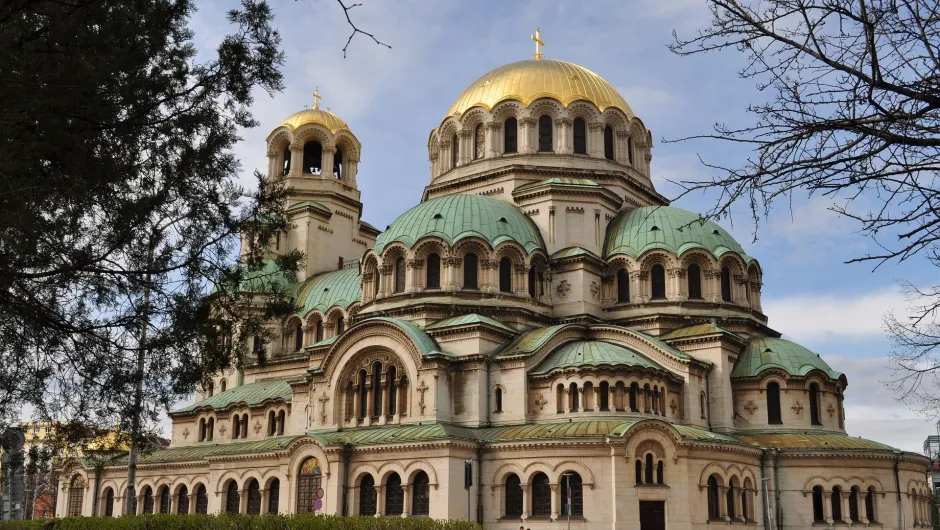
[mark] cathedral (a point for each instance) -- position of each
(543, 325)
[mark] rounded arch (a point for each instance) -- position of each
(585, 110)
(302, 449)
(472, 117)
(387, 469)
(503, 471)
(448, 128)
(507, 108)
(468, 244)
(416, 466)
(546, 106)
(534, 468)
(587, 476)
(383, 337)
(616, 119)
(349, 144)
(430, 245)
(511, 250)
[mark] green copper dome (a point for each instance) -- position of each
(595, 354)
(336, 288)
(455, 217)
(765, 353)
(638, 230)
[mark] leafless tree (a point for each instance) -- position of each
(853, 115)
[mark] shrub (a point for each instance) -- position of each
(238, 522)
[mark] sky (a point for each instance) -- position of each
(393, 98)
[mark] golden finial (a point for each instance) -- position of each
(537, 37)
(316, 98)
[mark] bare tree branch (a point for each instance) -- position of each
(346, 10)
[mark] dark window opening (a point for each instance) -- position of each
(773, 404)
(510, 143)
(254, 498)
(274, 495)
(433, 272)
(695, 282)
(421, 495)
(623, 286)
(541, 495)
(714, 509)
(658, 276)
(400, 275)
(285, 169)
(394, 495)
(499, 399)
(545, 135)
(513, 495)
(298, 337)
(814, 404)
(470, 271)
(505, 275)
(726, 284)
(231, 498)
(338, 164)
(572, 488)
(368, 496)
(313, 157)
(608, 143)
(580, 137)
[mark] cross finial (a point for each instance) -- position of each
(316, 98)
(537, 37)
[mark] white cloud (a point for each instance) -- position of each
(814, 317)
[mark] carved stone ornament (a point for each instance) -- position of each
(222, 429)
(422, 388)
(831, 410)
(563, 288)
(595, 291)
(797, 407)
(186, 433)
(257, 427)
(751, 407)
(673, 406)
(541, 401)
(323, 399)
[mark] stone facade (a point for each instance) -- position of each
(543, 314)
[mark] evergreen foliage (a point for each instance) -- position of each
(239, 522)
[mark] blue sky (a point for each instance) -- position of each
(391, 99)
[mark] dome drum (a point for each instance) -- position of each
(314, 142)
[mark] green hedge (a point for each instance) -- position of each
(238, 522)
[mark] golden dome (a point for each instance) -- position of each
(316, 116)
(527, 81)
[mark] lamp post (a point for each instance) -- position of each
(568, 495)
(770, 518)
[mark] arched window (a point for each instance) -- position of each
(272, 423)
(376, 390)
(634, 390)
(210, 429)
(658, 277)
(836, 503)
(608, 143)
(646, 398)
(870, 504)
(285, 169)
(211, 390)
(649, 470)
(571, 485)
(729, 500)
(231, 498)
(392, 391)
(202, 429)
(545, 135)
(479, 142)
(531, 282)
(433, 280)
(695, 282)
(541, 495)
(773, 404)
(505, 275)
(202, 500)
(222, 386)
(281, 416)
(714, 510)
(309, 479)
(313, 157)
(623, 286)
(510, 134)
(853, 505)
(394, 495)
(182, 501)
(363, 393)
(421, 495)
(77, 496)
(367, 496)
(745, 512)
(470, 271)
(639, 473)
(109, 502)
(814, 404)
(148, 500)
(400, 275)
(513, 493)
(318, 331)
(254, 498)
(726, 284)
(340, 325)
(659, 472)
(274, 495)
(236, 426)
(703, 404)
(580, 137)
(499, 399)
(454, 150)
(630, 150)
(573, 393)
(560, 398)
(257, 345)
(338, 164)
(604, 400)
(298, 337)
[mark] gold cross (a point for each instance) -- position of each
(316, 98)
(537, 37)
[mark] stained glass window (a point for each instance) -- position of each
(400, 275)
(165, 500)
(545, 134)
(308, 486)
(479, 142)
(367, 496)
(182, 501)
(513, 495)
(148, 500)
(274, 495)
(254, 497)
(109, 503)
(231, 498)
(394, 495)
(541, 495)
(202, 500)
(421, 495)
(571, 485)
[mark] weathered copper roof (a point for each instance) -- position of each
(426, 345)
(637, 230)
(202, 451)
(335, 288)
(594, 354)
(530, 341)
(248, 394)
(698, 331)
(466, 320)
(571, 252)
(765, 353)
(810, 440)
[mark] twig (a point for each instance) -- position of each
(355, 30)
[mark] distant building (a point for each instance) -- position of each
(932, 451)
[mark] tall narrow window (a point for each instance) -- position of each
(714, 510)
(659, 472)
(580, 137)
(254, 498)
(281, 416)
(318, 333)
(222, 386)
(853, 505)
(257, 344)
(745, 511)
(634, 390)
(211, 390)
(818, 515)
(392, 391)
(505, 275)
(836, 503)
(658, 277)
(363, 393)
(274, 495)
(376, 390)
(182, 501)
(298, 337)
(814, 404)
(338, 164)
(695, 282)
(479, 142)
(649, 469)
(421, 495)
(726, 284)
(510, 144)
(638, 469)
(236, 426)
(729, 499)
(454, 150)
(272, 423)
(285, 169)
(470, 271)
(572, 487)
(773, 404)
(630, 150)
(394, 495)
(77, 496)
(400, 275)
(231, 498)
(545, 135)
(703, 405)
(531, 282)
(623, 286)
(499, 399)
(604, 401)
(148, 500)
(313, 157)
(541, 495)
(309, 481)
(573, 390)
(367, 496)
(210, 428)
(608, 143)
(340, 325)
(109, 502)
(202, 500)
(513, 493)
(433, 280)
(870, 504)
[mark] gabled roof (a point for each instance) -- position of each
(335, 288)
(765, 353)
(249, 394)
(594, 354)
(467, 320)
(426, 345)
(530, 341)
(698, 330)
(571, 252)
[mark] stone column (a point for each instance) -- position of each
(350, 170)
(827, 506)
(385, 401)
(520, 284)
(379, 500)
(596, 140)
(412, 280)
(755, 296)
(846, 515)
(711, 285)
(433, 158)
(193, 499)
(637, 282)
(264, 500)
(620, 149)
(527, 144)
(493, 147)
(556, 500)
(674, 288)
(370, 400)
(563, 130)
(723, 502)
(272, 165)
(406, 505)
(296, 161)
(525, 501)
(464, 155)
(326, 162)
